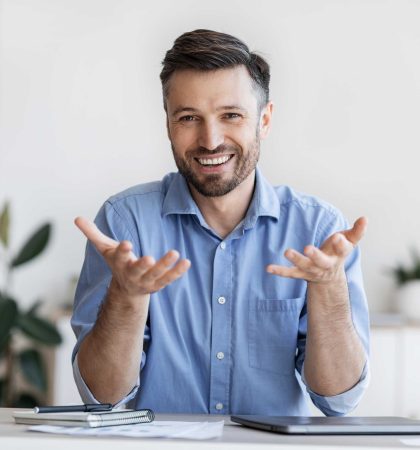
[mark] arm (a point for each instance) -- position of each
(109, 356)
(334, 353)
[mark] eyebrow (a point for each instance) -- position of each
(195, 110)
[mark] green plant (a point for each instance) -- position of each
(14, 322)
(404, 273)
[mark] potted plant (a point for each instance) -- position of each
(16, 323)
(407, 278)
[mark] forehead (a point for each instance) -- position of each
(211, 89)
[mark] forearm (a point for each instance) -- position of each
(110, 355)
(334, 356)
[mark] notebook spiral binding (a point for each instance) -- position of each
(127, 417)
(150, 415)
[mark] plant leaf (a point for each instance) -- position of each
(1, 391)
(33, 246)
(8, 316)
(34, 308)
(33, 368)
(4, 224)
(39, 329)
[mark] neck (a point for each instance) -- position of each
(224, 213)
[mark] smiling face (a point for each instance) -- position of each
(215, 125)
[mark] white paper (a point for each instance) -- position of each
(156, 429)
(414, 442)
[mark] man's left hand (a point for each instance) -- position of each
(324, 264)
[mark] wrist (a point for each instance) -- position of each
(331, 296)
(334, 282)
(120, 297)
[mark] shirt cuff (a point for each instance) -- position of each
(341, 404)
(86, 394)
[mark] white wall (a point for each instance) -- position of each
(81, 113)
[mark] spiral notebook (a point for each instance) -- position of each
(85, 419)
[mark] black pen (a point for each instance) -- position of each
(74, 408)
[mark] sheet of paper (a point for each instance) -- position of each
(414, 442)
(156, 429)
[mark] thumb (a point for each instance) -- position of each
(95, 236)
(355, 234)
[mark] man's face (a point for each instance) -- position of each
(215, 126)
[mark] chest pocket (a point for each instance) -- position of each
(272, 334)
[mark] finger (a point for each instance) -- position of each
(121, 255)
(173, 274)
(141, 265)
(161, 266)
(92, 232)
(288, 272)
(355, 234)
(342, 246)
(299, 260)
(318, 257)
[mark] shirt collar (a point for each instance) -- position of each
(265, 201)
(178, 200)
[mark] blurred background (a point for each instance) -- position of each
(81, 118)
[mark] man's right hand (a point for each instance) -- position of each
(109, 356)
(133, 276)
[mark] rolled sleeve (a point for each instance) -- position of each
(86, 394)
(340, 404)
(344, 403)
(92, 289)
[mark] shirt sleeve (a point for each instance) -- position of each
(88, 397)
(92, 288)
(345, 402)
(341, 404)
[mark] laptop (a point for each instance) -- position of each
(330, 425)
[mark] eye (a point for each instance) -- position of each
(232, 115)
(187, 118)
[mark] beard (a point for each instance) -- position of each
(216, 185)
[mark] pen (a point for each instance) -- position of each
(74, 408)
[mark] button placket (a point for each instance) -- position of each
(221, 329)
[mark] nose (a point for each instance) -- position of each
(210, 135)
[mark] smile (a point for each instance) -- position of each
(214, 161)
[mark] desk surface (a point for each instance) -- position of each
(235, 436)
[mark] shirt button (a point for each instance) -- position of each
(220, 355)
(221, 300)
(223, 245)
(219, 406)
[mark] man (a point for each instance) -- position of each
(187, 301)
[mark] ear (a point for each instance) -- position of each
(167, 127)
(265, 119)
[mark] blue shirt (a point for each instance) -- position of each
(227, 337)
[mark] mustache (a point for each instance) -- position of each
(203, 151)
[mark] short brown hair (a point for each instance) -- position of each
(207, 50)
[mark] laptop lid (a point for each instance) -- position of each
(330, 425)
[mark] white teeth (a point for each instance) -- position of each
(213, 161)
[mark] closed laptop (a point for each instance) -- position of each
(330, 425)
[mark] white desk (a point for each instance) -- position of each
(235, 437)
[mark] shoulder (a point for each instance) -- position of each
(142, 202)
(291, 198)
(123, 214)
(151, 193)
(309, 211)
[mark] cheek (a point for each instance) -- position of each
(245, 131)
(183, 136)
